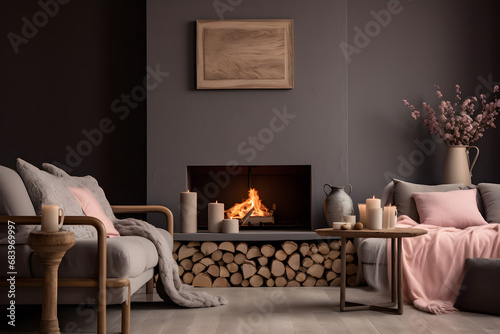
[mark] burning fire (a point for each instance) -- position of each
(239, 210)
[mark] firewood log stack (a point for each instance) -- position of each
(225, 264)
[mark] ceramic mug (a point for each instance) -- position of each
(52, 217)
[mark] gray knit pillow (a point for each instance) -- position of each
(83, 182)
(44, 188)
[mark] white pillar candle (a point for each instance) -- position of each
(230, 226)
(362, 213)
(50, 218)
(215, 217)
(189, 212)
(372, 203)
(375, 219)
(385, 220)
(390, 216)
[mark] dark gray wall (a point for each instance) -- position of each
(442, 42)
(351, 125)
(194, 127)
(63, 81)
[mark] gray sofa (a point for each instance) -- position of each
(372, 253)
(127, 262)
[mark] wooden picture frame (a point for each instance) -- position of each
(244, 54)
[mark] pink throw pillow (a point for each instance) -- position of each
(91, 208)
(456, 208)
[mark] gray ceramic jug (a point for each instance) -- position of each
(338, 203)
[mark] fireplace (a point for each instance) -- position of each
(284, 193)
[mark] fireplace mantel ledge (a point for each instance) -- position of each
(250, 236)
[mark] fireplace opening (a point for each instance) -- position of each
(272, 197)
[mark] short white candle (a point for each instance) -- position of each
(362, 213)
(215, 217)
(50, 218)
(390, 216)
(372, 203)
(230, 226)
(350, 219)
(375, 219)
(189, 212)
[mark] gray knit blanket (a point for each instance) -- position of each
(169, 285)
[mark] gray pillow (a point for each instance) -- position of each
(490, 194)
(403, 198)
(45, 188)
(14, 201)
(83, 182)
(480, 291)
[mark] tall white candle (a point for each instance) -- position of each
(50, 218)
(385, 220)
(230, 226)
(375, 219)
(215, 217)
(362, 213)
(189, 212)
(372, 203)
(390, 216)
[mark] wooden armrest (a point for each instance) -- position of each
(101, 246)
(145, 209)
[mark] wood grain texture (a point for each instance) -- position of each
(304, 310)
(244, 54)
(387, 233)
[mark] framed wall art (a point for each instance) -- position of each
(244, 54)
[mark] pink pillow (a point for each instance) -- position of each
(91, 208)
(456, 208)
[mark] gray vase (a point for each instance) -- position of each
(338, 203)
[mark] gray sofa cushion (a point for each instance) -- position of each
(490, 194)
(43, 188)
(403, 198)
(127, 256)
(372, 250)
(83, 182)
(479, 291)
(372, 265)
(14, 201)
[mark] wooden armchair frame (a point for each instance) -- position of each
(102, 281)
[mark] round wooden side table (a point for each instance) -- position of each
(50, 248)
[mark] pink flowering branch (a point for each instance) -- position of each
(462, 122)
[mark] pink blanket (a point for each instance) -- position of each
(433, 264)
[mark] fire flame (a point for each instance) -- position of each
(239, 210)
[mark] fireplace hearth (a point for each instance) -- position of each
(271, 197)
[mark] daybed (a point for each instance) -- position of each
(372, 253)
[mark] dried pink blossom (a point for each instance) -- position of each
(462, 122)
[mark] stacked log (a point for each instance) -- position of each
(225, 264)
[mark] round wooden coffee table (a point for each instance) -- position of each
(396, 235)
